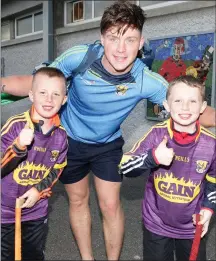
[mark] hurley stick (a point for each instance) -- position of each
(196, 241)
(19, 203)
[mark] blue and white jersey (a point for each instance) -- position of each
(98, 102)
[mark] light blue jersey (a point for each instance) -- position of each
(99, 102)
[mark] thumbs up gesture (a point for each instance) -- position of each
(163, 154)
(26, 136)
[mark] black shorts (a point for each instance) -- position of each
(33, 233)
(101, 159)
(160, 248)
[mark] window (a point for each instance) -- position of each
(74, 11)
(5, 31)
(29, 24)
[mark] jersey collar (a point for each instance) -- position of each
(183, 138)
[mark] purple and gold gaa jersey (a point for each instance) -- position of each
(42, 160)
(174, 193)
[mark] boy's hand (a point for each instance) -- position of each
(205, 217)
(26, 136)
(31, 196)
(163, 154)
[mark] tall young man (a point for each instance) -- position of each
(99, 100)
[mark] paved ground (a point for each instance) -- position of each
(60, 242)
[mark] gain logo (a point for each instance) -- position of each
(30, 174)
(176, 190)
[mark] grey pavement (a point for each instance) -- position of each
(60, 241)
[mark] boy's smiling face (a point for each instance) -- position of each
(48, 95)
(185, 104)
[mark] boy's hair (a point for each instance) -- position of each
(122, 13)
(190, 81)
(50, 72)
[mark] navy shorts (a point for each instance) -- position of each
(101, 159)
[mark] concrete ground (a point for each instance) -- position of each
(60, 242)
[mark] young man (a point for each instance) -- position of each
(181, 156)
(34, 150)
(100, 98)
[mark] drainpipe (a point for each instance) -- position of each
(48, 30)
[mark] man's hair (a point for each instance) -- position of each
(50, 72)
(188, 80)
(122, 13)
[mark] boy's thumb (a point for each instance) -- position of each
(164, 141)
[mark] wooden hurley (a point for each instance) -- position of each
(19, 203)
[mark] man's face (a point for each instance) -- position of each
(48, 95)
(120, 50)
(185, 105)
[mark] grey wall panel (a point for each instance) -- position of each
(180, 23)
(146, 3)
(99, 7)
(66, 41)
(22, 58)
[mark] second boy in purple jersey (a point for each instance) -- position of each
(34, 150)
(181, 156)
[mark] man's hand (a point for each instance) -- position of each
(163, 154)
(26, 136)
(31, 196)
(205, 217)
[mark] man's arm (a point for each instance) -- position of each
(17, 85)
(208, 118)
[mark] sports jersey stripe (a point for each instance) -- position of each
(211, 179)
(137, 144)
(68, 53)
(208, 131)
(11, 119)
(158, 126)
(204, 130)
(9, 126)
(157, 77)
(210, 134)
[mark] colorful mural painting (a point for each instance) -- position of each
(182, 55)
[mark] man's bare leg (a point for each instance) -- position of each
(113, 216)
(80, 217)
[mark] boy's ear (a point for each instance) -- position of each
(204, 105)
(64, 100)
(31, 96)
(166, 106)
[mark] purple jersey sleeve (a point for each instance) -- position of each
(141, 156)
(210, 187)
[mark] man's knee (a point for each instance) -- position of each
(77, 198)
(110, 207)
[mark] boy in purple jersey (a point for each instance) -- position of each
(34, 149)
(183, 174)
